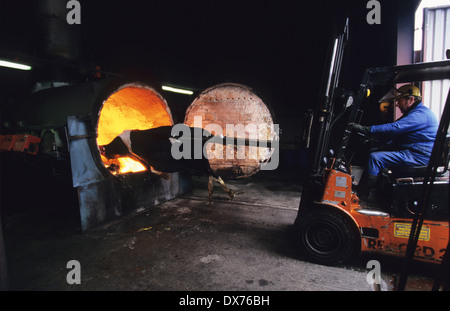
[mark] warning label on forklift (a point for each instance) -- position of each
(402, 230)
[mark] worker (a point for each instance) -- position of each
(410, 138)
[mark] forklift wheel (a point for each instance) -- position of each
(326, 237)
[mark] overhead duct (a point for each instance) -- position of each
(58, 45)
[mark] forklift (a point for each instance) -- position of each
(411, 218)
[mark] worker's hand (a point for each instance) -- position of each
(360, 128)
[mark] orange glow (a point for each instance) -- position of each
(129, 165)
(133, 107)
(123, 165)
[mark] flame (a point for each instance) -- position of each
(129, 165)
(133, 107)
(123, 165)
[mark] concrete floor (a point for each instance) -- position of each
(187, 244)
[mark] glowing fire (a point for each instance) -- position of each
(133, 107)
(123, 165)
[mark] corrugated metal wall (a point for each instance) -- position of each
(436, 40)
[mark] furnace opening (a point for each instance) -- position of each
(131, 107)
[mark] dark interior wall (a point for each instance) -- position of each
(405, 35)
(370, 45)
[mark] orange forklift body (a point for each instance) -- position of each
(379, 232)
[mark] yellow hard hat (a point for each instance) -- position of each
(408, 90)
(403, 91)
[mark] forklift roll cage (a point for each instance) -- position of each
(382, 76)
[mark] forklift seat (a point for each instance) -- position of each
(420, 171)
(403, 185)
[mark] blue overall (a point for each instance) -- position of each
(411, 138)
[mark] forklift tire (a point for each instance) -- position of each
(326, 237)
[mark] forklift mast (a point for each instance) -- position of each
(324, 114)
